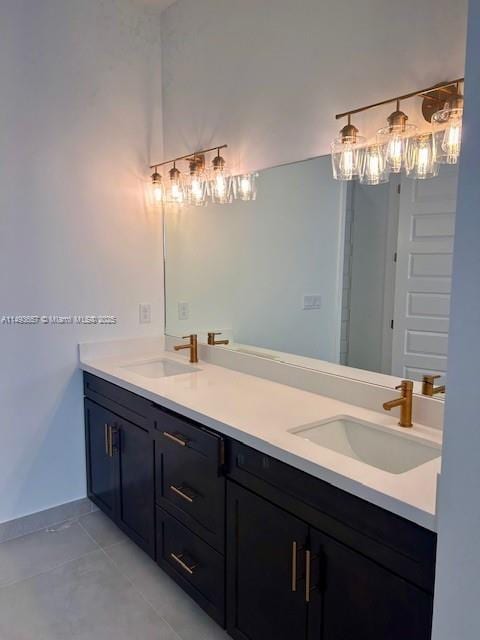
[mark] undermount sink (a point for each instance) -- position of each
(162, 368)
(374, 445)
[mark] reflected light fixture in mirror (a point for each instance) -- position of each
(447, 130)
(421, 162)
(347, 153)
(397, 136)
(176, 192)
(374, 165)
(221, 183)
(246, 186)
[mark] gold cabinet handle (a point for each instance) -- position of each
(180, 493)
(176, 438)
(178, 559)
(307, 575)
(294, 566)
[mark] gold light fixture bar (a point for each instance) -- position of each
(188, 156)
(444, 86)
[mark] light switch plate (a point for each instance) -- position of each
(145, 313)
(183, 310)
(312, 302)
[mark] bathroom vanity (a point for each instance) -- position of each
(269, 543)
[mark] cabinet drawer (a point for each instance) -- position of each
(190, 482)
(398, 544)
(122, 402)
(197, 567)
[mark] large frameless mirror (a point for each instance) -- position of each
(340, 277)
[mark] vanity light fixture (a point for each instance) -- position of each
(221, 182)
(193, 188)
(347, 152)
(419, 154)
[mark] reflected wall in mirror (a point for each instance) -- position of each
(327, 272)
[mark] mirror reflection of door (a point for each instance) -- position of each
(398, 263)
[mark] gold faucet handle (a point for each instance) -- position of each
(192, 335)
(431, 378)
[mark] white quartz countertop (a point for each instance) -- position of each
(261, 413)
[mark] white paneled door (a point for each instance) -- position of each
(424, 274)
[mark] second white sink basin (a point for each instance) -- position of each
(374, 445)
(162, 368)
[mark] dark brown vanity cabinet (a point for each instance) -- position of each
(288, 581)
(120, 468)
(267, 550)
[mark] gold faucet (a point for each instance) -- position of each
(404, 402)
(212, 341)
(192, 345)
(429, 388)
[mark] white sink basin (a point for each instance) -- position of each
(162, 368)
(377, 446)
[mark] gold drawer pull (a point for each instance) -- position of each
(175, 438)
(107, 440)
(307, 576)
(178, 559)
(294, 566)
(180, 493)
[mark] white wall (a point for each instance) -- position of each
(79, 110)
(268, 77)
(246, 266)
(457, 613)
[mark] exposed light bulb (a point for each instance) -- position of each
(347, 153)
(221, 183)
(396, 136)
(176, 194)
(447, 130)
(158, 191)
(374, 170)
(247, 186)
(422, 163)
(452, 140)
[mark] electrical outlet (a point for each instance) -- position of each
(145, 313)
(183, 310)
(312, 302)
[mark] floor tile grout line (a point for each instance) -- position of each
(127, 577)
(49, 570)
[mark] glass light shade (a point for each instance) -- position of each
(347, 155)
(157, 190)
(447, 135)
(374, 168)
(221, 186)
(397, 140)
(176, 188)
(196, 189)
(246, 186)
(421, 160)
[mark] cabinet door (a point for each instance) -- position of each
(134, 452)
(265, 575)
(101, 472)
(353, 598)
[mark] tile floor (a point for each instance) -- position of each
(84, 580)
